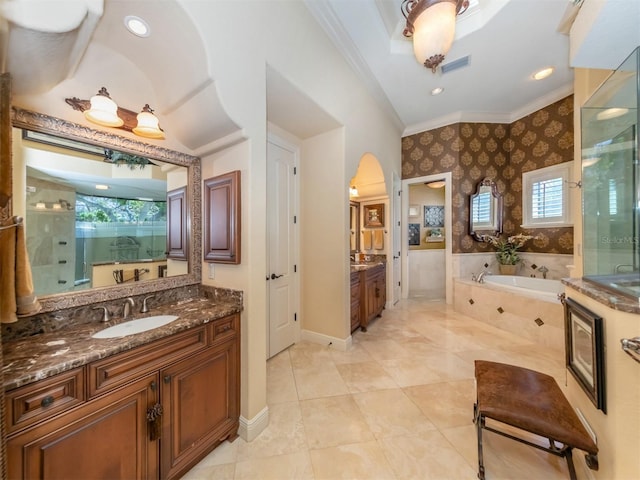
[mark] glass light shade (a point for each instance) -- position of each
(103, 111)
(433, 34)
(436, 184)
(148, 125)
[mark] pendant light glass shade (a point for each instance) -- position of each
(103, 111)
(434, 31)
(148, 125)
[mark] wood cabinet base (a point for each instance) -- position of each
(156, 420)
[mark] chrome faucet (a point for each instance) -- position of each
(106, 316)
(145, 308)
(481, 275)
(128, 304)
(544, 271)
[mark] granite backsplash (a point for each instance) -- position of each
(55, 321)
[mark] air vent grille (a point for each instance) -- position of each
(456, 64)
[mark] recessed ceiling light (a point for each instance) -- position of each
(102, 187)
(137, 26)
(544, 73)
(437, 91)
(610, 113)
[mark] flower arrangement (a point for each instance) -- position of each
(507, 250)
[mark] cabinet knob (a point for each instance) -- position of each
(153, 385)
(167, 378)
(46, 401)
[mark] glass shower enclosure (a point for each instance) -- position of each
(611, 182)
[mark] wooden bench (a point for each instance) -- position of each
(533, 402)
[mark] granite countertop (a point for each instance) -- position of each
(34, 358)
(612, 300)
(358, 267)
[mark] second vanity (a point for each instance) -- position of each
(368, 293)
(148, 405)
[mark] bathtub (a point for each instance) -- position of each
(527, 307)
(542, 289)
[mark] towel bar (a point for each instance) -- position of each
(15, 221)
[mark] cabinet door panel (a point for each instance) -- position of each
(106, 438)
(222, 218)
(199, 395)
(177, 224)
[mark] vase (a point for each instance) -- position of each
(508, 269)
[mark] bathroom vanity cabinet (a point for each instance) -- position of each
(374, 294)
(355, 300)
(368, 295)
(150, 412)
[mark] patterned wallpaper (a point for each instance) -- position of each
(502, 152)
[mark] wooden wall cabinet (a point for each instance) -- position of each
(109, 435)
(177, 224)
(222, 225)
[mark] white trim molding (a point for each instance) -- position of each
(341, 344)
(250, 429)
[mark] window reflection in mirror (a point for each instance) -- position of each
(485, 210)
(95, 217)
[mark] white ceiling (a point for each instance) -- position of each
(507, 41)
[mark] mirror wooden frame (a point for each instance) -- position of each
(39, 122)
(479, 234)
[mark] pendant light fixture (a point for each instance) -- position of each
(432, 25)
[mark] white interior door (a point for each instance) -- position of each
(397, 234)
(281, 262)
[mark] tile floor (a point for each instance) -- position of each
(398, 405)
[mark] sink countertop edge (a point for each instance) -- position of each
(41, 356)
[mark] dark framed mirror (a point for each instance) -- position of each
(135, 248)
(485, 210)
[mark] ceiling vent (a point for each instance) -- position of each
(456, 64)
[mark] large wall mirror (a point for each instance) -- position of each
(95, 211)
(485, 210)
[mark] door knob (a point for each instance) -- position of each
(274, 276)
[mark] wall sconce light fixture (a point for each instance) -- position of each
(353, 191)
(432, 24)
(102, 110)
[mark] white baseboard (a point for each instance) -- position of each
(341, 344)
(250, 429)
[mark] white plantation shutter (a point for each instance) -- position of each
(481, 210)
(546, 198)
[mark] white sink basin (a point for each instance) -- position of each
(135, 326)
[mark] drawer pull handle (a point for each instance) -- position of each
(47, 401)
(224, 328)
(154, 419)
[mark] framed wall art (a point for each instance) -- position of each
(414, 234)
(434, 216)
(373, 215)
(585, 351)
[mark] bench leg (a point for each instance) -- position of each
(572, 469)
(479, 420)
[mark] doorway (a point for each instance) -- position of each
(424, 223)
(282, 246)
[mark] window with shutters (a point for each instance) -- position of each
(546, 198)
